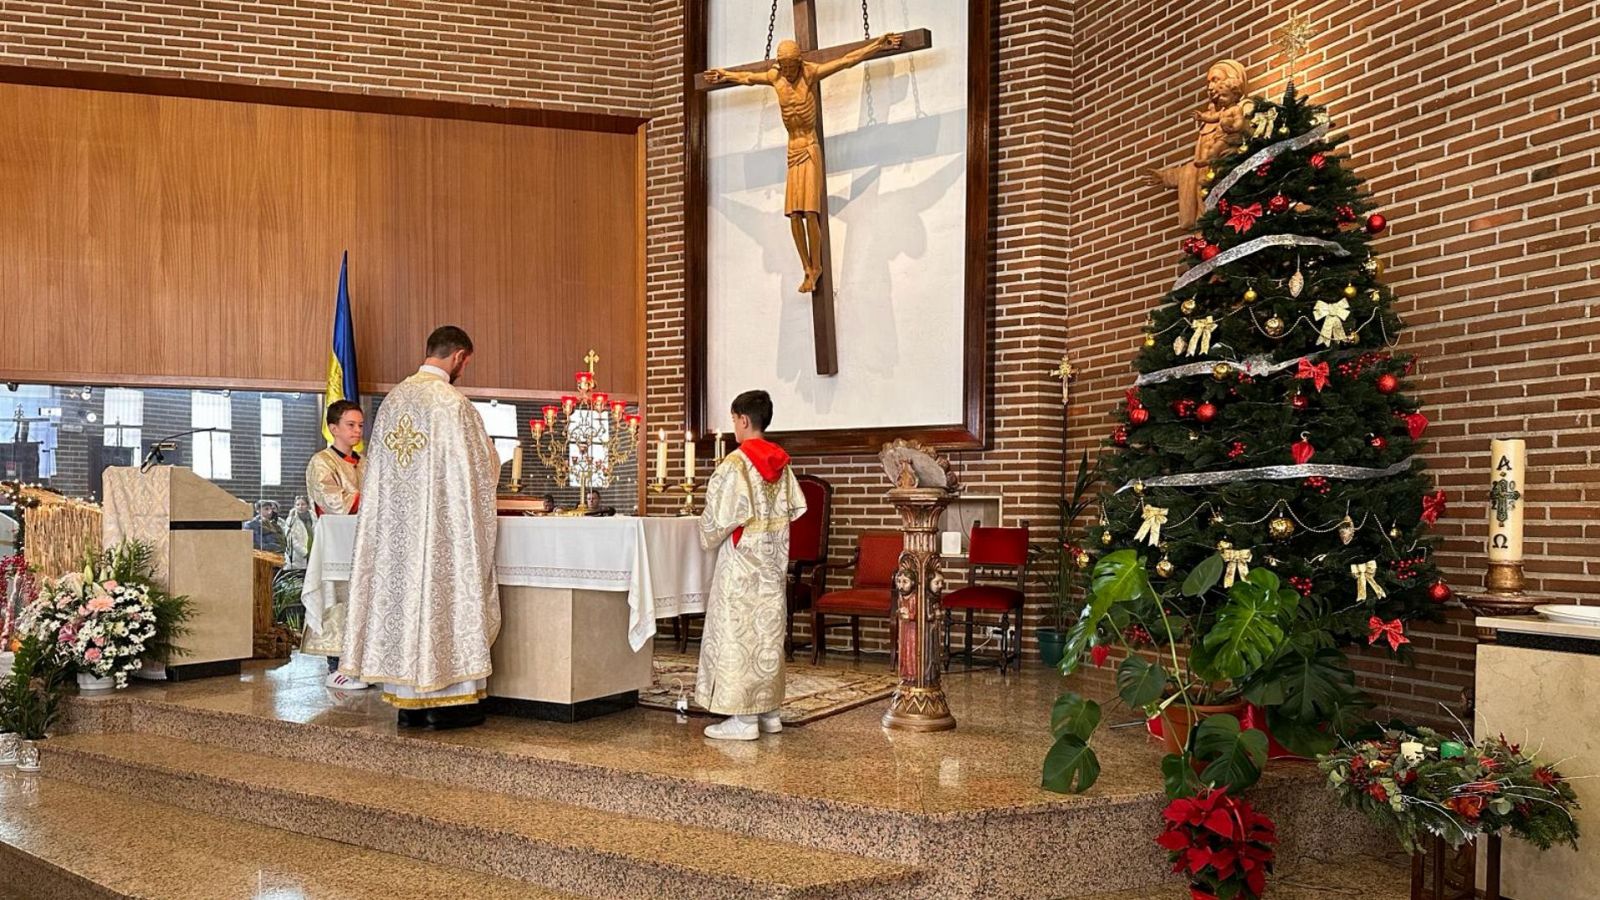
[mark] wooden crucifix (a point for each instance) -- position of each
(796, 75)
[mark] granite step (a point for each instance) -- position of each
(65, 841)
(556, 846)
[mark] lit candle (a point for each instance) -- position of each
(550, 417)
(599, 401)
(716, 451)
(661, 455)
(567, 403)
(688, 456)
(1507, 485)
(538, 427)
(516, 464)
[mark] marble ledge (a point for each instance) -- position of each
(1538, 625)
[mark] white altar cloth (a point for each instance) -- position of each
(657, 562)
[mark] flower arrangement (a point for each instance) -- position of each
(99, 627)
(30, 694)
(1421, 784)
(1220, 843)
(17, 590)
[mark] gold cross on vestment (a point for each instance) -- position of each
(404, 441)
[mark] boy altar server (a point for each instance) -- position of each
(750, 501)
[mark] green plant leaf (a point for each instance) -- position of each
(1179, 777)
(1234, 757)
(1245, 635)
(1070, 760)
(1139, 682)
(1204, 576)
(1074, 715)
(1303, 738)
(1118, 578)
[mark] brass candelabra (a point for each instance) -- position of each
(588, 435)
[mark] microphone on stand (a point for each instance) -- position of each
(168, 443)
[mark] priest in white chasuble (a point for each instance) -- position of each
(750, 501)
(424, 609)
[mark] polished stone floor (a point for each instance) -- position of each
(992, 759)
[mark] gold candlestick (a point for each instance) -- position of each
(586, 436)
(687, 509)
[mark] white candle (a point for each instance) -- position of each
(516, 464)
(688, 456)
(1508, 459)
(661, 455)
(716, 455)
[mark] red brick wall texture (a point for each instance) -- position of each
(1473, 121)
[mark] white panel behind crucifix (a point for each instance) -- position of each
(895, 142)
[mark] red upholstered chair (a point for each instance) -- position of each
(870, 595)
(808, 552)
(993, 553)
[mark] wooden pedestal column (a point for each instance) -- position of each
(919, 702)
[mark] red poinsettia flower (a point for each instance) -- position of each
(1200, 894)
(1377, 792)
(1469, 806)
(1244, 217)
(1546, 776)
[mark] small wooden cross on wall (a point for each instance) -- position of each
(800, 102)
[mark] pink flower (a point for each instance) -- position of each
(92, 654)
(109, 585)
(99, 642)
(101, 604)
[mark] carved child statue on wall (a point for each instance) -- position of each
(1222, 126)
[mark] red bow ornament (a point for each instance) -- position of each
(1244, 217)
(1433, 507)
(1393, 630)
(1317, 373)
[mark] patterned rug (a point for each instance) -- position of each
(810, 692)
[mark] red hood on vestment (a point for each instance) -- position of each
(768, 458)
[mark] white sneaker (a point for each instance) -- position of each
(734, 728)
(342, 682)
(770, 723)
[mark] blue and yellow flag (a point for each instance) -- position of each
(342, 361)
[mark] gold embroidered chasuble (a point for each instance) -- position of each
(424, 609)
(332, 486)
(747, 519)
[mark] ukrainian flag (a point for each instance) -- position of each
(342, 361)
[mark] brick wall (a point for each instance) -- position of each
(1474, 125)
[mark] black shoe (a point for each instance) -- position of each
(414, 718)
(445, 718)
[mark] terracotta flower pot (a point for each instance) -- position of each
(1175, 723)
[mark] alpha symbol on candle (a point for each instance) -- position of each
(1503, 497)
(1504, 465)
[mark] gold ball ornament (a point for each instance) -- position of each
(1250, 295)
(1187, 307)
(1164, 568)
(1371, 266)
(1081, 559)
(1281, 528)
(1350, 291)
(1274, 327)
(1395, 532)
(1105, 538)
(1138, 488)
(1224, 545)
(1283, 130)
(1353, 337)
(1194, 436)
(1216, 518)
(1374, 296)
(1245, 147)
(1221, 371)
(1149, 340)
(1211, 175)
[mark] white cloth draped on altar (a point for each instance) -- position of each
(657, 562)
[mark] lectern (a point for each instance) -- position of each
(201, 550)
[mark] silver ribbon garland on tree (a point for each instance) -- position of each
(1265, 154)
(1255, 367)
(1249, 247)
(1273, 473)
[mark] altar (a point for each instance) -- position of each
(579, 600)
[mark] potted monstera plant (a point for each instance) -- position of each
(1194, 652)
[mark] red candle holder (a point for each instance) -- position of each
(599, 400)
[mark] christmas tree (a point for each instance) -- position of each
(1268, 428)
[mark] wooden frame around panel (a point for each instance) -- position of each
(972, 431)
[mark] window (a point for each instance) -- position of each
(124, 414)
(271, 441)
(500, 419)
(212, 452)
(28, 415)
(583, 420)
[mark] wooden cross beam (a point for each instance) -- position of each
(805, 26)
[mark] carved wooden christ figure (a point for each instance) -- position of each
(797, 83)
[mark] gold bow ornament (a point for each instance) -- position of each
(1150, 528)
(1237, 565)
(1332, 316)
(1365, 575)
(1200, 341)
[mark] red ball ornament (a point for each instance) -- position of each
(1278, 203)
(1439, 592)
(1318, 160)
(1209, 250)
(1376, 223)
(1378, 442)
(1205, 412)
(1300, 401)
(1388, 384)
(1138, 416)
(1119, 436)
(1301, 450)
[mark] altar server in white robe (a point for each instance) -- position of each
(750, 501)
(424, 609)
(333, 486)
